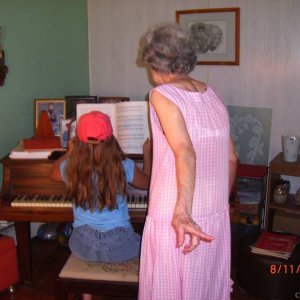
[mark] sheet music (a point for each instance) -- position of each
(129, 121)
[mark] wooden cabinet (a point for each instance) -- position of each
(248, 194)
(279, 167)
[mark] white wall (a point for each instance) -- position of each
(269, 68)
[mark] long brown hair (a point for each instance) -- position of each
(94, 174)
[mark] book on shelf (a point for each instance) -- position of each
(20, 153)
(249, 191)
(275, 244)
(129, 119)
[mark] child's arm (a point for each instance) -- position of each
(54, 173)
(141, 179)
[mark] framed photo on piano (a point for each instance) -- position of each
(72, 101)
(56, 109)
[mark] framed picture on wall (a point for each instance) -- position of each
(216, 32)
(56, 109)
(72, 101)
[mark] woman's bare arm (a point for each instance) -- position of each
(174, 127)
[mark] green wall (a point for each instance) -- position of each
(46, 51)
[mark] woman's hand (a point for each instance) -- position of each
(183, 224)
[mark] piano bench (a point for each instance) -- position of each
(9, 274)
(105, 279)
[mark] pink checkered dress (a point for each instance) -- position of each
(165, 273)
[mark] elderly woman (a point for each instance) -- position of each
(186, 240)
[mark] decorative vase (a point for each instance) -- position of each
(285, 184)
(280, 194)
(290, 147)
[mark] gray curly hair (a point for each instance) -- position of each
(169, 49)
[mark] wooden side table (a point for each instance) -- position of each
(277, 168)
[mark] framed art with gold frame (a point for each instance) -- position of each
(216, 32)
(56, 109)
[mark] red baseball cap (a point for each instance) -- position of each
(94, 127)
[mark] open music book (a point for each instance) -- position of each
(130, 122)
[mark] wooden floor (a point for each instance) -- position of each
(48, 259)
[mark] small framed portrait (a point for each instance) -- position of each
(216, 33)
(56, 109)
(72, 101)
(112, 99)
(67, 131)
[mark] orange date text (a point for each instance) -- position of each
(284, 269)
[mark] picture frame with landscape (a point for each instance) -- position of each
(56, 109)
(216, 32)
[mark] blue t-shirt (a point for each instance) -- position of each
(105, 219)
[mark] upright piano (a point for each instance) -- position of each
(26, 189)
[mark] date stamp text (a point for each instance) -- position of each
(284, 269)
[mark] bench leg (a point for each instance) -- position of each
(59, 292)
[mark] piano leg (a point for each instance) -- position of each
(24, 251)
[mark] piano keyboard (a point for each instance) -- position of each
(134, 201)
(41, 201)
(137, 201)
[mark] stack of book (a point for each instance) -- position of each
(20, 153)
(275, 244)
(249, 193)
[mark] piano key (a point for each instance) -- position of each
(134, 201)
(41, 201)
(137, 201)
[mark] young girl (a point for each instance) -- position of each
(95, 171)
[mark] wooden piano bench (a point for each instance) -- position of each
(104, 279)
(9, 271)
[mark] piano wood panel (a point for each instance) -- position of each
(31, 177)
